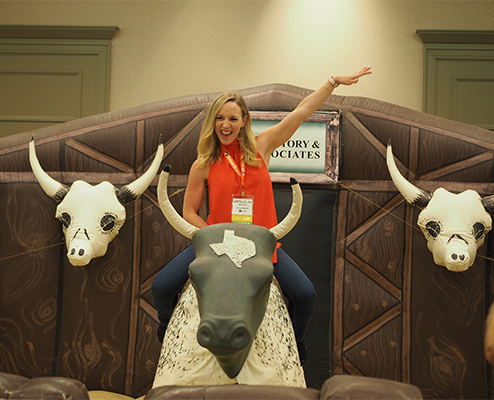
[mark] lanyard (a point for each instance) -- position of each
(240, 172)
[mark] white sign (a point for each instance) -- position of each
(304, 152)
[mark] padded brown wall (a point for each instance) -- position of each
(397, 314)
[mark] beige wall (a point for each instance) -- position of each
(167, 49)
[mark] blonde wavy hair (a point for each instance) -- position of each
(208, 148)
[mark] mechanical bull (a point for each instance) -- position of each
(91, 216)
(231, 307)
(455, 225)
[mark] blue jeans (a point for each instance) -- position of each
(296, 286)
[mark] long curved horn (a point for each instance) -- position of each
(189, 230)
(285, 226)
(52, 188)
(173, 217)
(415, 196)
(128, 193)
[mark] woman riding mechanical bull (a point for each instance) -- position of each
(234, 163)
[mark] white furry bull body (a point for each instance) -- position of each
(273, 358)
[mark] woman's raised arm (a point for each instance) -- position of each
(273, 137)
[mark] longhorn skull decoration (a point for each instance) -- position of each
(91, 216)
(455, 225)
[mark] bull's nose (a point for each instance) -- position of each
(223, 334)
(460, 257)
(458, 261)
(74, 250)
(79, 257)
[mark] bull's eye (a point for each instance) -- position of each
(478, 230)
(107, 222)
(65, 219)
(433, 228)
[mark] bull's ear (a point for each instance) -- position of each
(52, 188)
(128, 193)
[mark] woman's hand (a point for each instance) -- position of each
(351, 79)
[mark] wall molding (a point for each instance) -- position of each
(453, 36)
(57, 32)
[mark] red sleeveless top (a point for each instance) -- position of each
(223, 182)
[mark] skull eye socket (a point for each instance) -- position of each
(107, 222)
(65, 219)
(433, 228)
(478, 230)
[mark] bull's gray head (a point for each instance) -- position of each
(91, 216)
(231, 274)
(455, 225)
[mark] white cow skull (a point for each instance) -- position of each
(91, 216)
(455, 225)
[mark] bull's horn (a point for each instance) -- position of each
(128, 193)
(173, 217)
(415, 196)
(488, 203)
(51, 187)
(285, 226)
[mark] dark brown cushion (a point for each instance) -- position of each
(176, 392)
(359, 387)
(51, 388)
(228, 392)
(10, 382)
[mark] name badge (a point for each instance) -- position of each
(242, 209)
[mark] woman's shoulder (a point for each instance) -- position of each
(262, 148)
(199, 171)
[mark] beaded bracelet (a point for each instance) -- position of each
(331, 82)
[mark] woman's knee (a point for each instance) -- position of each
(161, 281)
(306, 295)
(165, 285)
(156, 286)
